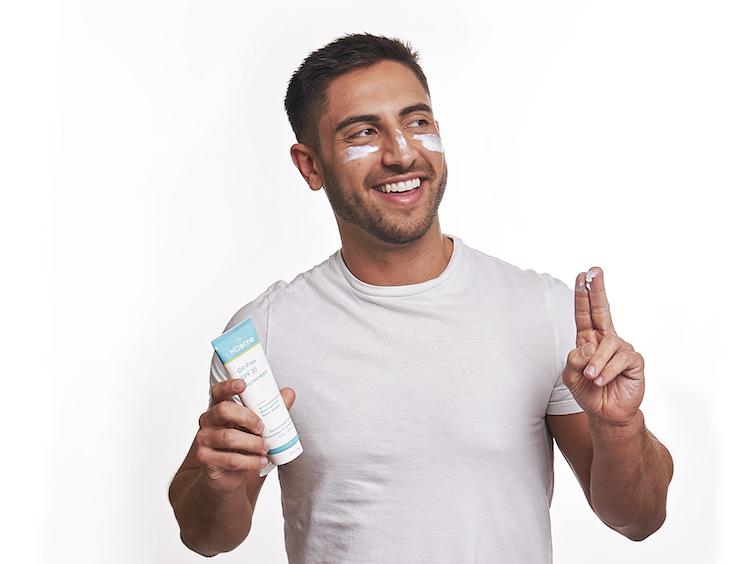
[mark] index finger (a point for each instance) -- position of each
(584, 322)
(225, 390)
(599, 305)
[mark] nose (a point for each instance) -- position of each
(397, 151)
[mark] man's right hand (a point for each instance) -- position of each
(215, 490)
(228, 443)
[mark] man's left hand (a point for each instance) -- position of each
(604, 373)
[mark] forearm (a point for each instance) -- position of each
(630, 474)
(210, 521)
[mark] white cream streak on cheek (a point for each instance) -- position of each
(431, 142)
(357, 152)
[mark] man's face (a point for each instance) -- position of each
(382, 160)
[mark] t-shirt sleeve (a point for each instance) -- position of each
(560, 304)
(258, 310)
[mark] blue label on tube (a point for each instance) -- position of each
(287, 446)
(236, 341)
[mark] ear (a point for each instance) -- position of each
(306, 162)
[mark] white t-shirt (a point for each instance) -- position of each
(421, 410)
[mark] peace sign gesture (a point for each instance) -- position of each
(604, 373)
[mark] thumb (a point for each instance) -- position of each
(288, 395)
(225, 389)
(578, 360)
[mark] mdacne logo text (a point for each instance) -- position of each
(243, 345)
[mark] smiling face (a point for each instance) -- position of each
(380, 158)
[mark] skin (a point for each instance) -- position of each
(390, 239)
(623, 469)
(386, 239)
(215, 490)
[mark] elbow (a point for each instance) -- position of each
(635, 521)
(197, 534)
(640, 531)
(202, 542)
(198, 549)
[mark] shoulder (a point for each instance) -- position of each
(281, 293)
(526, 280)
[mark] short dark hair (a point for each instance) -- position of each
(306, 95)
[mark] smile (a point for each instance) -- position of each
(400, 186)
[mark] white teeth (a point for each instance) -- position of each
(401, 186)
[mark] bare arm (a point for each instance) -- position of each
(624, 472)
(215, 490)
(623, 469)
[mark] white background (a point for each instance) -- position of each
(147, 193)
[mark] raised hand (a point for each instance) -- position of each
(604, 373)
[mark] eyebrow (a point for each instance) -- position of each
(415, 108)
(357, 119)
(372, 118)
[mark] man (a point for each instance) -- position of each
(431, 378)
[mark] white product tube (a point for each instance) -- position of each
(243, 357)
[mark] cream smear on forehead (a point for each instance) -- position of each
(357, 152)
(430, 141)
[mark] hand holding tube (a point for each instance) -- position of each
(228, 443)
(242, 355)
(214, 491)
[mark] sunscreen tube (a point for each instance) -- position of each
(243, 357)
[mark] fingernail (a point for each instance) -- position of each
(590, 275)
(599, 381)
(590, 371)
(259, 427)
(263, 462)
(588, 350)
(266, 446)
(237, 385)
(581, 286)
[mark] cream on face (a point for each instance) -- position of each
(357, 152)
(402, 146)
(430, 141)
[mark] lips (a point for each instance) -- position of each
(397, 187)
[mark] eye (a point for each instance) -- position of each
(363, 133)
(418, 124)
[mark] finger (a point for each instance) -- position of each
(288, 395)
(216, 461)
(607, 348)
(599, 305)
(584, 322)
(624, 362)
(578, 360)
(224, 390)
(235, 440)
(230, 413)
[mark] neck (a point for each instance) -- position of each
(386, 264)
